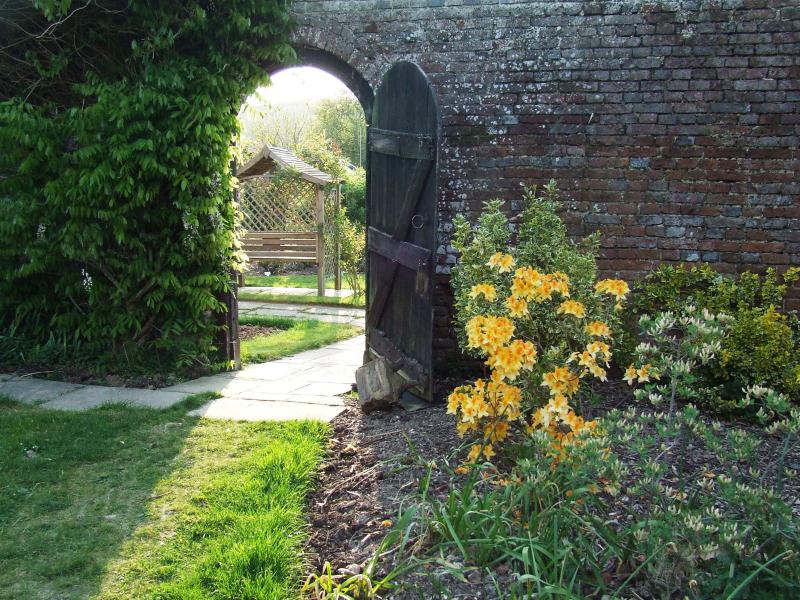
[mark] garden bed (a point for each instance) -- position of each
(377, 462)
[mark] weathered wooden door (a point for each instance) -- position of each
(401, 219)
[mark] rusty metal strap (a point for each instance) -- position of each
(400, 143)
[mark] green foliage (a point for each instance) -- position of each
(705, 508)
(761, 348)
(352, 243)
(342, 121)
(116, 220)
(762, 345)
(674, 347)
(354, 195)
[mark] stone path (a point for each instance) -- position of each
(303, 386)
(293, 291)
(319, 312)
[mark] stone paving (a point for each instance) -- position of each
(293, 291)
(307, 385)
(318, 312)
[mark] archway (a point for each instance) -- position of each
(314, 111)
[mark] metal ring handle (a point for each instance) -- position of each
(417, 221)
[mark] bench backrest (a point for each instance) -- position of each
(286, 246)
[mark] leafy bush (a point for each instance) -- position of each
(352, 243)
(541, 332)
(116, 219)
(354, 195)
(762, 345)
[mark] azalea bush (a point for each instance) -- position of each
(762, 343)
(540, 332)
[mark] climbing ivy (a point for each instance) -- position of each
(116, 212)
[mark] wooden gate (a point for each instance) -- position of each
(402, 224)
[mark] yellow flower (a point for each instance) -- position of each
(598, 329)
(599, 349)
(572, 307)
(496, 431)
(488, 290)
(455, 400)
(502, 261)
(489, 333)
(614, 287)
(508, 360)
(646, 373)
(630, 375)
(475, 452)
(561, 381)
(462, 428)
(517, 307)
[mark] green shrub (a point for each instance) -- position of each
(116, 212)
(762, 345)
(352, 243)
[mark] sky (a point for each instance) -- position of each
(299, 85)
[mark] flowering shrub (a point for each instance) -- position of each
(673, 348)
(762, 345)
(539, 332)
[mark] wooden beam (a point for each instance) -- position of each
(320, 219)
(405, 253)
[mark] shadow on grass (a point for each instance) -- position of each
(120, 502)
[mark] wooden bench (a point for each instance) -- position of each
(288, 246)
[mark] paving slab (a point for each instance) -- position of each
(92, 396)
(238, 409)
(323, 388)
(295, 397)
(30, 390)
(224, 383)
(308, 385)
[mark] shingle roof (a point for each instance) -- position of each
(270, 157)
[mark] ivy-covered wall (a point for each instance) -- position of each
(116, 122)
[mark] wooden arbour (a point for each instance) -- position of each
(286, 222)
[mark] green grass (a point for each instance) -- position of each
(297, 335)
(287, 299)
(120, 502)
(294, 281)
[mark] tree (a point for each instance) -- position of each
(342, 121)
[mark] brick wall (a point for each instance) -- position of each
(672, 127)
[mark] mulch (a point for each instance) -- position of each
(248, 332)
(370, 470)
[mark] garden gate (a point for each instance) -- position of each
(402, 224)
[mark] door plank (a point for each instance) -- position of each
(403, 224)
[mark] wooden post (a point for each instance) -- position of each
(337, 267)
(320, 241)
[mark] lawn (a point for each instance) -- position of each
(296, 336)
(121, 502)
(293, 281)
